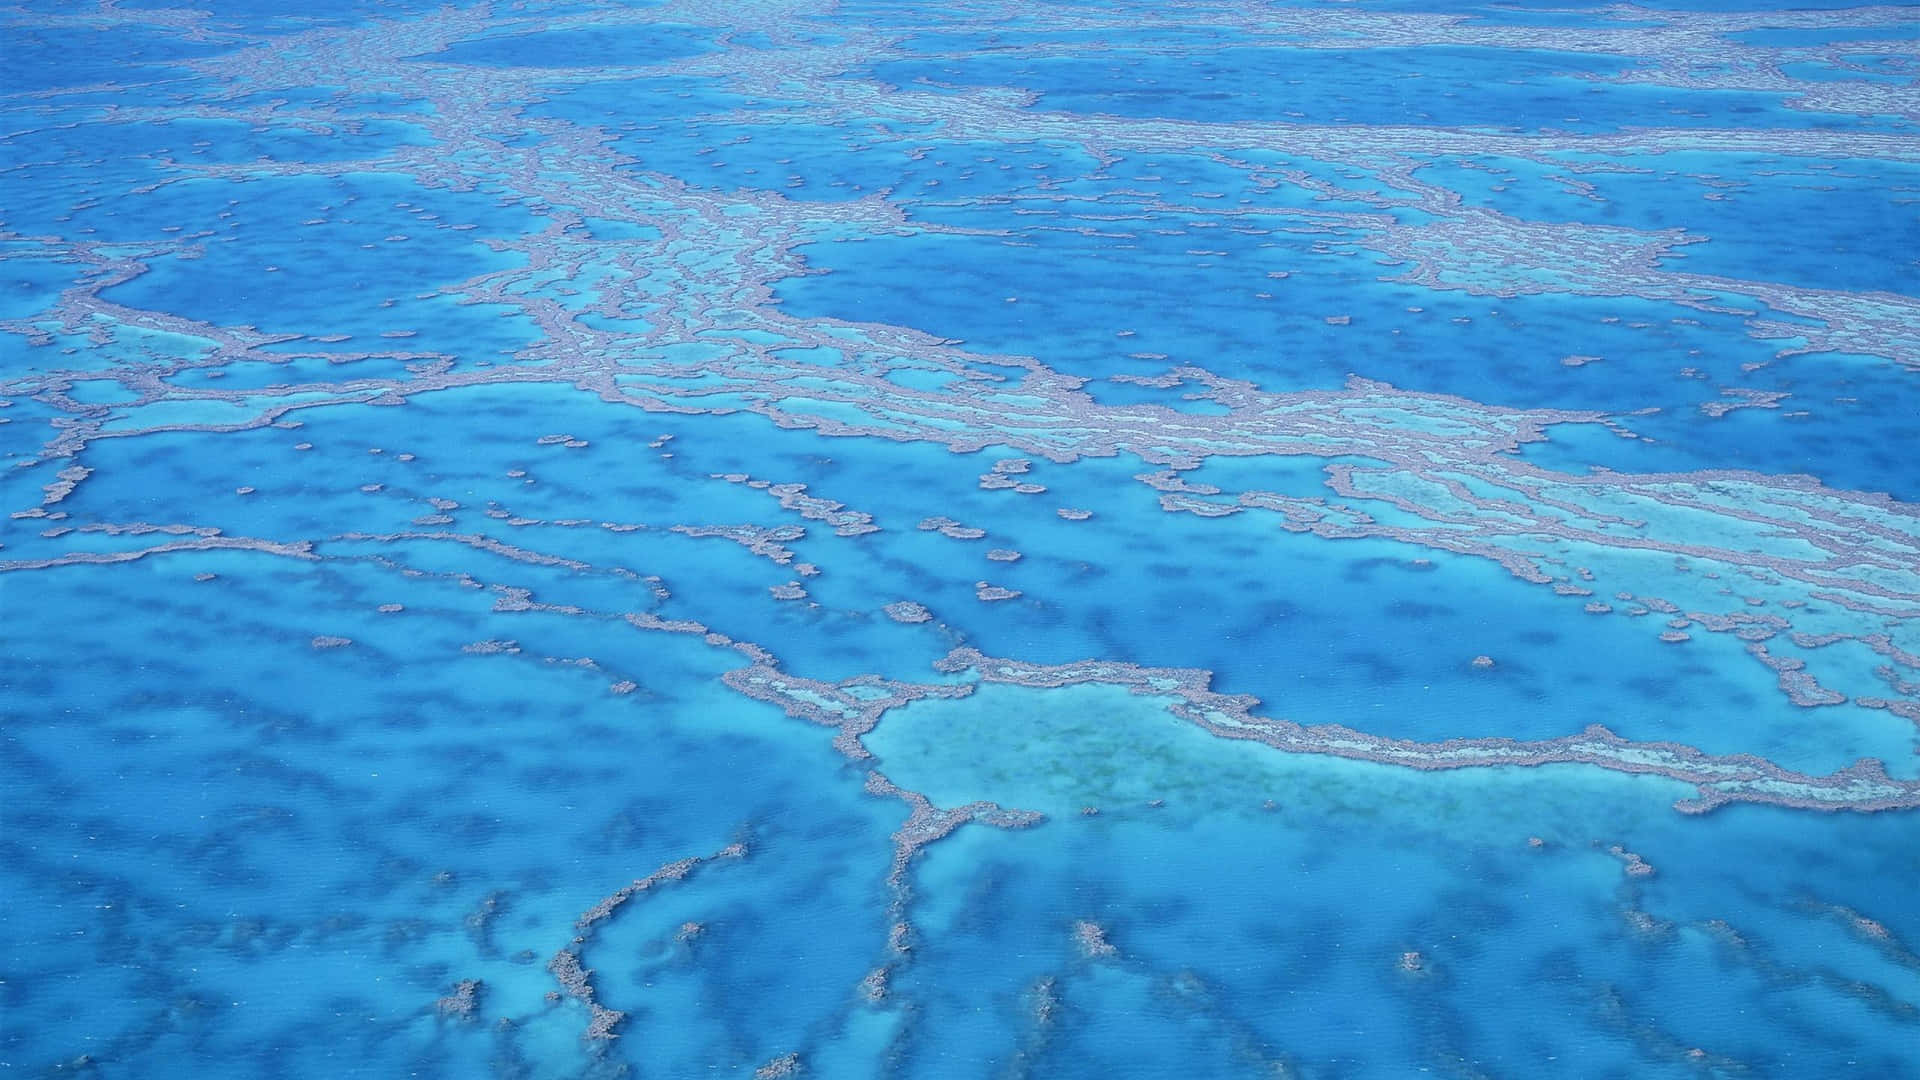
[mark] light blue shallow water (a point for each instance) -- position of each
(1351, 541)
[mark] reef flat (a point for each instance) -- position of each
(1347, 540)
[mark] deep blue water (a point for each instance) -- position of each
(427, 431)
(1490, 89)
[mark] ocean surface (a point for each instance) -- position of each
(945, 540)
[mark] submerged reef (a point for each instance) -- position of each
(1187, 538)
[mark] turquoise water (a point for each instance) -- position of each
(1065, 540)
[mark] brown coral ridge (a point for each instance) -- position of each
(853, 707)
(463, 1004)
(925, 824)
(786, 1065)
(1091, 940)
(576, 979)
